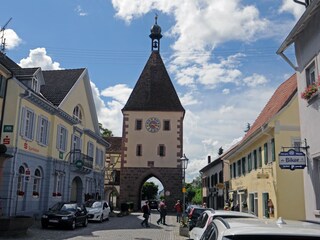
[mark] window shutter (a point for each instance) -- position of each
(22, 122)
(32, 130)
(47, 134)
(38, 129)
(58, 137)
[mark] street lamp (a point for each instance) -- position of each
(184, 163)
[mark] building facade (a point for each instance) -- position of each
(258, 184)
(306, 39)
(53, 136)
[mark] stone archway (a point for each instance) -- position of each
(132, 180)
(111, 194)
(76, 190)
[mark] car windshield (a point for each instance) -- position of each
(270, 237)
(92, 204)
(64, 206)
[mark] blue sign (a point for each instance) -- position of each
(292, 160)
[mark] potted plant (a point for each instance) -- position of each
(35, 194)
(20, 193)
(310, 90)
(59, 194)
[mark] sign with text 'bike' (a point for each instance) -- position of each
(292, 160)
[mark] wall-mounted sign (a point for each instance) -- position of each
(292, 160)
(6, 140)
(8, 128)
(79, 163)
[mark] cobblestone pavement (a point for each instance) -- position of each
(117, 228)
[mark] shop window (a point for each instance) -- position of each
(21, 181)
(36, 183)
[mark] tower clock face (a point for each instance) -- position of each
(153, 124)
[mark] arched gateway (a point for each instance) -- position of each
(152, 132)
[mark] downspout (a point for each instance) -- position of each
(22, 96)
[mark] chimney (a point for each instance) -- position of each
(209, 159)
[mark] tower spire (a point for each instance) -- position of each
(155, 35)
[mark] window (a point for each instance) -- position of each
(27, 123)
(99, 157)
(90, 149)
(21, 177)
(273, 150)
(311, 74)
(35, 84)
(220, 177)
(239, 168)
(2, 85)
(265, 197)
(139, 150)
(260, 157)
(77, 113)
(265, 151)
(162, 150)
(253, 203)
(36, 183)
(43, 130)
(234, 170)
(249, 163)
(76, 142)
(62, 135)
(138, 124)
(58, 183)
(255, 161)
(243, 163)
(166, 125)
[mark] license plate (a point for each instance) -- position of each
(53, 221)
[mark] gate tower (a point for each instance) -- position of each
(152, 132)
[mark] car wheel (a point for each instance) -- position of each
(101, 218)
(85, 223)
(73, 224)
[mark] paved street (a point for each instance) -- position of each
(117, 228)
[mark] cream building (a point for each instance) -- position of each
(257, 183)
(49, 124)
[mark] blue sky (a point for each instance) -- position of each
(220, 56)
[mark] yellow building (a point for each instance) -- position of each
(49, 124)
(257, 183)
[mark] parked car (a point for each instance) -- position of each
(193, 213)
(262, 229)
(208, 215)
(153, 204)
(67, 214)
(97, 210)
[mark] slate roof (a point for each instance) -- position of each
(154, 90)
(58, 83)
(281, 97)
(7, 62)
(115, 142)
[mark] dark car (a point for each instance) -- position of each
(193, 213)
(65, 214)
(153, 204)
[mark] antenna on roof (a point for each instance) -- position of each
(3, 39)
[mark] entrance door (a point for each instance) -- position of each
(76, 190)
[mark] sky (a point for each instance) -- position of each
(220, 55)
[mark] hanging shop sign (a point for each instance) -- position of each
(292, 160)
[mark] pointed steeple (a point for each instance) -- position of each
(154, 90)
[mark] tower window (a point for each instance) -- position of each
(138, 124)
(166, 125)
(139, 150)
(162, 150)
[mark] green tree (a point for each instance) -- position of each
(149, 190)
(104, 131)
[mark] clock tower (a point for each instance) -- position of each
(152, 132)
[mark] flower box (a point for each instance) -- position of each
(20, 193)
(310, 90)
(35, 194)
(56, 194)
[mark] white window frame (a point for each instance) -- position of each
(35, 84)
(37, 181)
(58, 183)
(21, 178)
(90, 149)
(62, 136)
(99, 157)
(77, 113)
(76, 142)
(43, 130)
(311, 74)
(28, 119)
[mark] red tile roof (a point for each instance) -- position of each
(279, 100)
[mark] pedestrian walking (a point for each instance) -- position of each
(146, 213)
(178, 208)
(163, 212)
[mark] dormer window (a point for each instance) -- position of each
(35, 84)
(77, 113)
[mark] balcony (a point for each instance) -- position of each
(80, 162)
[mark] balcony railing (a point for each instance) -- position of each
(80, 161)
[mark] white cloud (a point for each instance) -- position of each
(255, 80)
(80, 11)
(226, 91)
(119, 92)
(291, 7)
(12, 40)
(38, 58)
